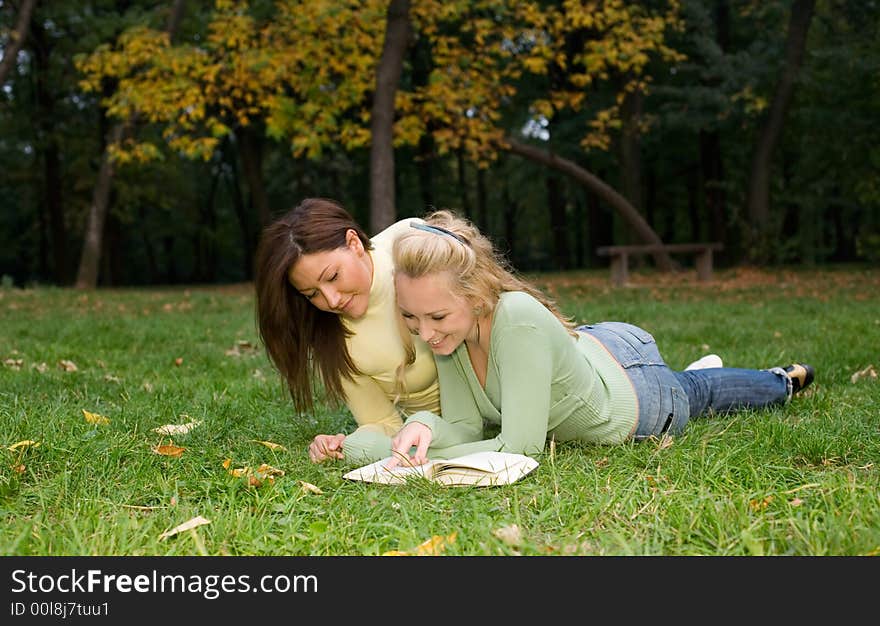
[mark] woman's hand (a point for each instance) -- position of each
(413, 434)
(325, 447)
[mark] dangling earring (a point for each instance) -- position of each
(478, 310)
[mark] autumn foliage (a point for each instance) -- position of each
(306, 73)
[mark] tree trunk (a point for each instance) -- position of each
(87, 276)
(52, 181)
(482, 201)
(558, 223)
(241, 214)
(759, 180)
(616, 201)
(509, 210)
(462, 184)
(631, 150)
(250, 150)
(16, 38)
(421, 65)
(425, 167)
(383, 211)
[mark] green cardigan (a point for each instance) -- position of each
(541, 382)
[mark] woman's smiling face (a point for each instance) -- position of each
(434, 312)
(337, 281)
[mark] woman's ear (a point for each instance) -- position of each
(353, 241)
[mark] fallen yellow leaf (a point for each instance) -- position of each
(431, 547)
(865, 373)
(270, 445)
(94, 418)
(168, 450)
(24, 443)
(189, 524)
(67, 366)
(176, 429)
(310, 487)
(510, 535)
(268, 470)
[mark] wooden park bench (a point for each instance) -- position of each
(620, 257)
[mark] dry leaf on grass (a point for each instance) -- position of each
(168, 450)
(193, 523)
(865, 373)
(14, 364)
(510, 535)
(434, 546)
(24, 443)
(177, 429)
(310, 488)
(758, 505)
(67, 366)
(94, 418)
(270, 445)
(242, 347)
(255, 477)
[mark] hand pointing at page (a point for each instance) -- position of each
(413, 434)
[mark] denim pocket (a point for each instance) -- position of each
(663, 408)
(629, 344)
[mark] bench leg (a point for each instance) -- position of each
(703, 261)
(619, 270)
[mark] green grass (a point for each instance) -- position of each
(796, 480)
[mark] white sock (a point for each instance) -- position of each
(707, 362)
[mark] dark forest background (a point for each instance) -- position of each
(756, 126)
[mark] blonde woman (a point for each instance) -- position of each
(506, 355)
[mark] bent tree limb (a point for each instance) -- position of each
(604, 191)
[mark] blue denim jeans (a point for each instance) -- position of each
(668, 399)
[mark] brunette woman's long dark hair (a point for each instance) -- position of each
(300, 339)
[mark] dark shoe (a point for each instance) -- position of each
(801, 376)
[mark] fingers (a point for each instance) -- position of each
(414, 434)
(421, 455)
(394, 461)
(325, 447)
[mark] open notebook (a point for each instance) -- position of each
(483, 469)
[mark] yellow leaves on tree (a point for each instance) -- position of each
(307, 71)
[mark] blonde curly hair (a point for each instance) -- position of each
(447, 242)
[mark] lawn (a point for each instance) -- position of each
(796, 480)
